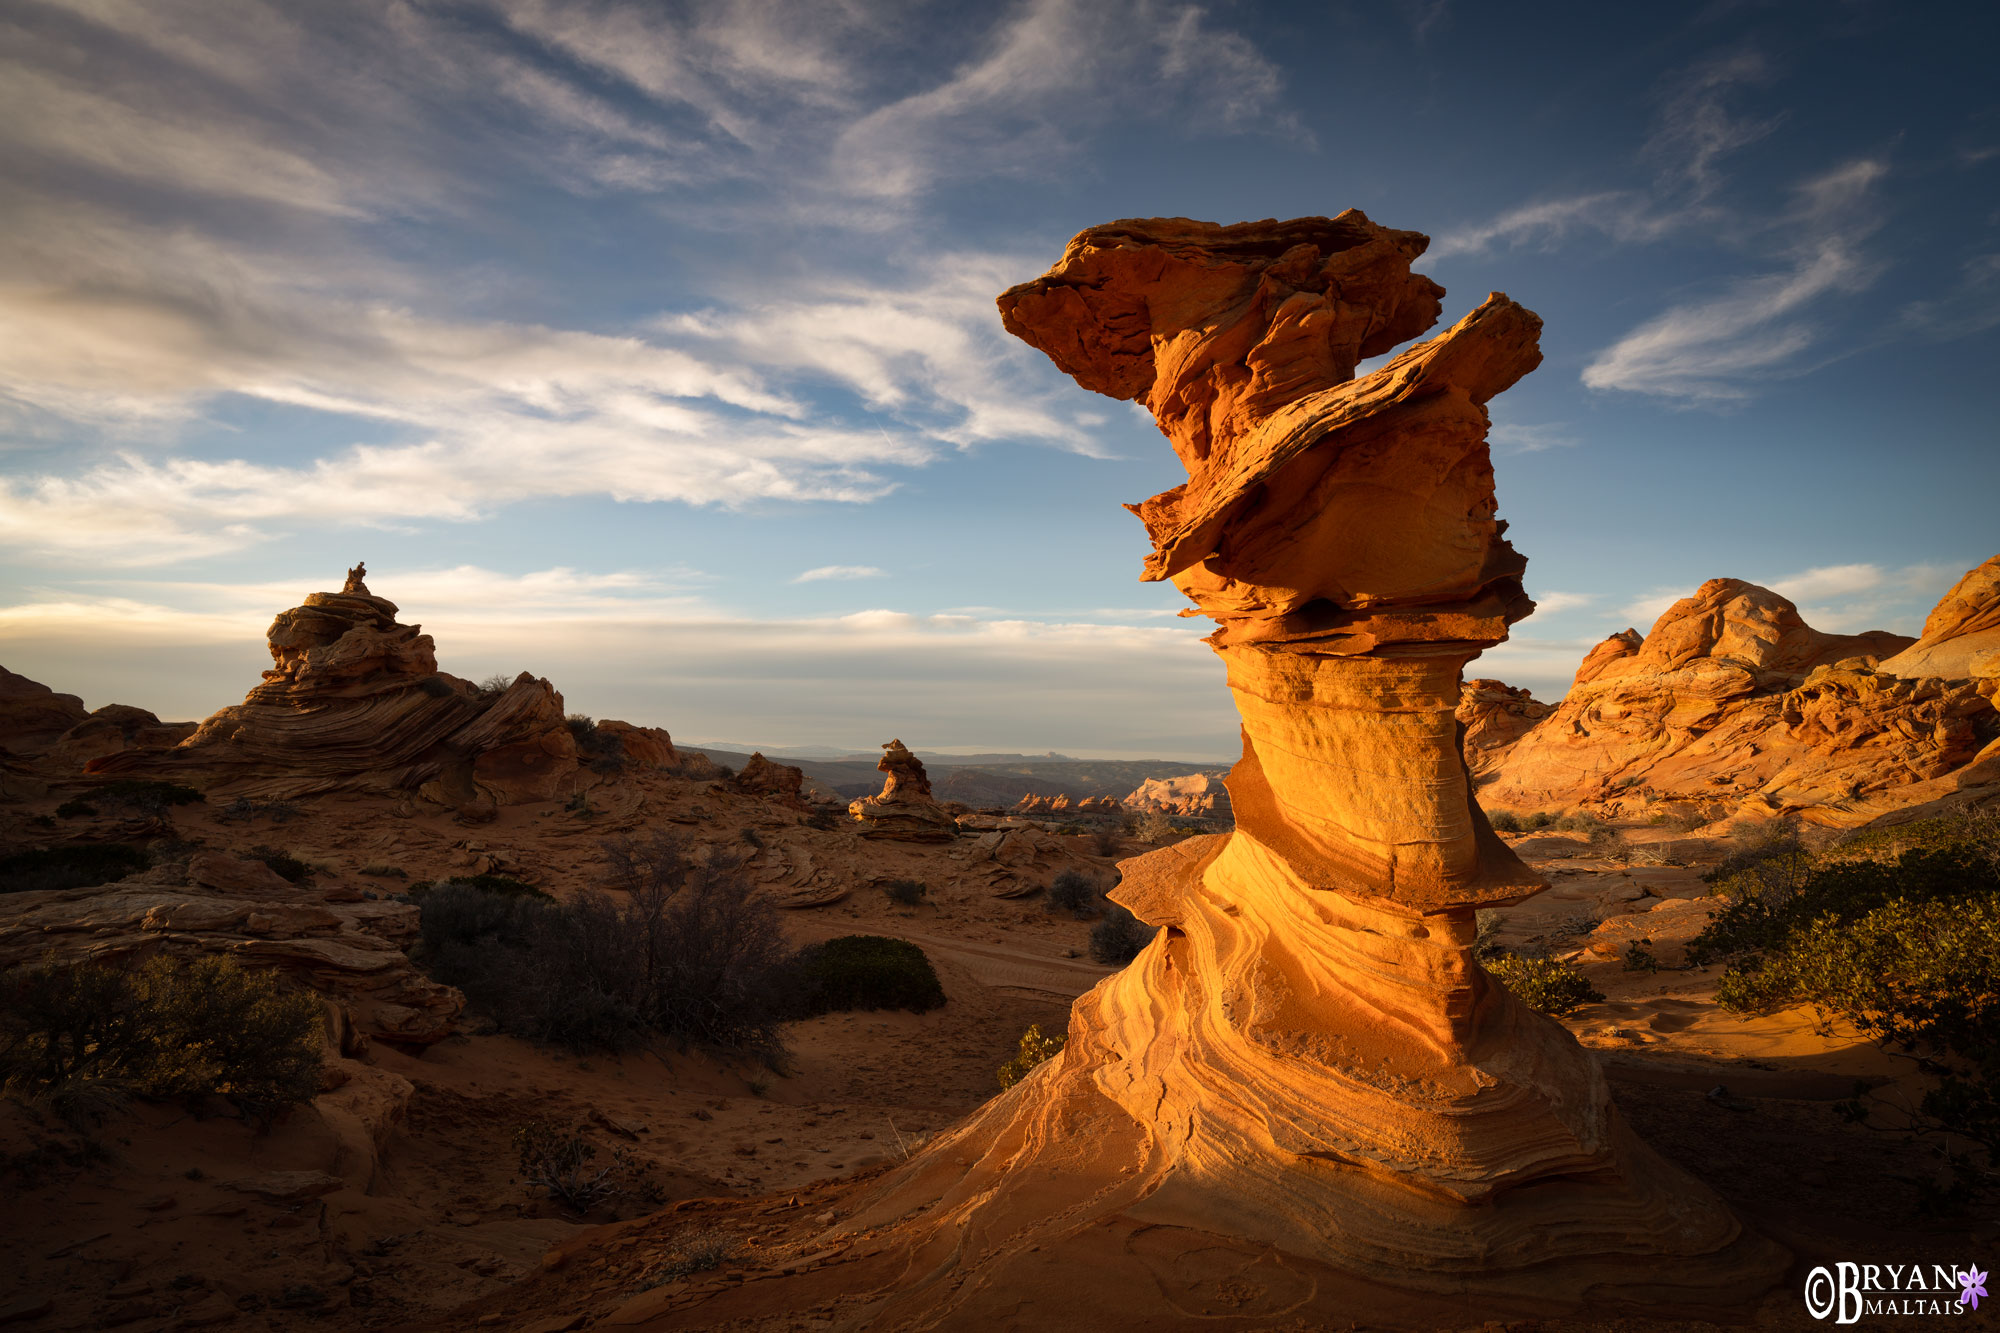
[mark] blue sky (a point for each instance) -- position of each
(652, 347)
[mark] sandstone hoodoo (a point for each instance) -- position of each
(354, 702)
(1306, 1058)
(1734, 705)
(904, 810)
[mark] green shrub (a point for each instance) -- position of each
(1072, 892)
(75, 866)
(906, 892)
(1544, 984)
(1119, 937)
(1639, 957)
(1503, 821)
(1537, 821)
(283, 864)
(146, 796)
(866, 972)
(173, 1029)
(75, 809)
(1034, 1049)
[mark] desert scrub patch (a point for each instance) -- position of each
(1119, 937)
(145, 795)
(75, 866)
(1034, 1049)
(282, 863)
(175, 1029)
(1545, 984)
(563, 1165)
(696, 1250)
(1072, 891)
(506, 886)
(1503, 821)
(906, 892)
(866, 972)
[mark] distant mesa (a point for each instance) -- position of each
(904, 810)
(1734, 705)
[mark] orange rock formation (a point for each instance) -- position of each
(904, 810)
(354, 702)
(1307, 1057)
(1195, 794)
(1735, 703)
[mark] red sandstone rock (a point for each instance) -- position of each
(649, 747)
(904, 810)
(761, 777)
(33, 716)
(1495, 716)
(1961, 639)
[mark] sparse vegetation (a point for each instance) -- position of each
(825, 818)
(1486, 934)
(146, 796)
(436, 687)
(907, 892)
(1105, 841)
(379, 870)
(1504, 821)
(283, 864)
(1034, 1049)
(696, 1250)
(1072, 891)
(79, 1036)
(75, 866)
(1119, 937)
(1639, 957)
(243, 808)
(1152, 826)
(505, 886)
(694, 955)
(495, 685)
(866, 972)
(602, 751)
(559, 1162)
(1545, 984)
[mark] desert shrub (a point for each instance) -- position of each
(1118, 938)
(72, 867)
(1071, 891)
(696, 1250)
(825, 818)
(1687, 816)
(603, 751)
(243, 808)
(1577, 821)
(866, 972)
(907, 892)
(693, 955)
(146, 796)
(283, 863)
(559, 1162)
(654, 863)
(1540, 819)
(1152, 825)
(74, 809)
(1034, 1049)
(1605, 840)
(174, 1029)
(1504, 821)
(495, 685)
(504, 885)
(381, 870)
(1105, 841)
(1546, 984)
(1639, 957)
(1485, 934)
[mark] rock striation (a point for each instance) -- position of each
(1735, 705)
(1307, 1062)
(904, 810)
(354, 702)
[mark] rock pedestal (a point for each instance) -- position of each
(904, 810)
(1307, 1059)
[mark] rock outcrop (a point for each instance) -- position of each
(761, 777)
(354, 702)
(904, 810)
(1495, 715)
(1201, 795)
(33, 716)
(1734, 705)
(114, 729)
(344, 946)
(1307, 1062)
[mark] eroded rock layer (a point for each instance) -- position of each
(354, 702)
(1307, 1057)
(1734, 705)
(904, 810)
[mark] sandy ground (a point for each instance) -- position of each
(176, 1222)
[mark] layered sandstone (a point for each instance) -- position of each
(1307, 1058)
(354, 702)
(1198, 794)
(347, 948)
(1494, 716)
(1734, 705)
(904, 810)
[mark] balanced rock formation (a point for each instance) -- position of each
(1735, 704)
(1198, 794)
(33, 716)
(1306, 1079)
(345, 947)
(354, 702)
(904, 810)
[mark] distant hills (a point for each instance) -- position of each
(975, 779)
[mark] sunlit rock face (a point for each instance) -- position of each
(1735, 706)
(354, 702)
(1307, 1055)
(904, 810)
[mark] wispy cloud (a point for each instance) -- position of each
(1714, 349)
(1555, 603)
(842, 573)
(1522, 438)
(1972, 305)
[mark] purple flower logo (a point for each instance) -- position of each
(1974, 1283)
